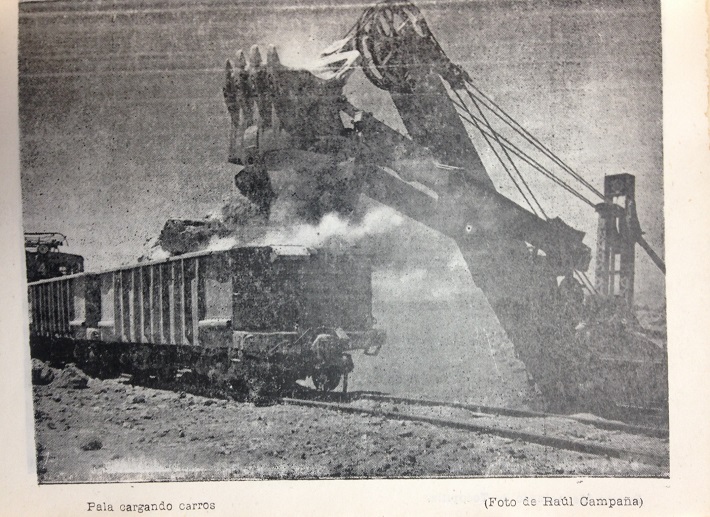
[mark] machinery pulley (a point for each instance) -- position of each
(387, 36)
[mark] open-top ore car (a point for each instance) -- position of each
(251, 319)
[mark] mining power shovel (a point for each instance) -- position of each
(579, 351)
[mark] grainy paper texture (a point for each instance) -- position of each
(123, 125)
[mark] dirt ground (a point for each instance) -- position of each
(113, 431)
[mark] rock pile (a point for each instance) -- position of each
(41, 373)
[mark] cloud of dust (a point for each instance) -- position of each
(334, 229)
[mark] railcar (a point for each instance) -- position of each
(253, 318)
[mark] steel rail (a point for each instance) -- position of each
(530, 437)
(608, 425)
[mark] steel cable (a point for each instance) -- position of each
(522, 155)
(501, 114)
(510, 174)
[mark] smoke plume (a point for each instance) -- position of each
(334, 230)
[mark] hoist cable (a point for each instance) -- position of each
(520, 190)
(514, 124)
(579, 279)
(501, 114)
(510, 174)
(528, 159)
(507, 155)
(584, 280)
(589, 282)
(467, 81)
(524, 156)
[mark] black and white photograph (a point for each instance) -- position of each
(318, 239)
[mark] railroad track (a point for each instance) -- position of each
(610, 425)
(647, 445)
(628, 442)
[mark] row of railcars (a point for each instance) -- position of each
(255, 318)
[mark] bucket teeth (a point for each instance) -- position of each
(241, 61)
(230, 93)
(264, 97)
(259, 83)
(254, 57)
(272, 57)
(230, 84)
(242, 83)
(239, 89)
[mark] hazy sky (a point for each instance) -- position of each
(123, 124)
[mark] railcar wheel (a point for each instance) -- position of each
(166, 374)
(327, 379)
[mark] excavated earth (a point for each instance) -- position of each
(91, 430)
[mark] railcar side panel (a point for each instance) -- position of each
(336, 291)
(107, 322)
(214, 301)
(264, 297)
(52, 307)
(84, 306)
(152, 304)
